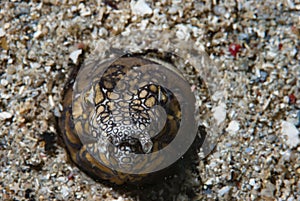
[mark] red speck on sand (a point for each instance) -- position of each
(234, 49)
(292, 98)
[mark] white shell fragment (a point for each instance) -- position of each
(220, 113)
(233, 127)
(268, 191)
(2, 32)
(288, 129)
(5, 115)
(37, 34)
(223, 191)
(74, 55)
(140, 8)
(183, 32)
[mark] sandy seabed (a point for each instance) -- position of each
(255, 45)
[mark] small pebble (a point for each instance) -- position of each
(119, 199)
(263, 75)
(220, 113)
(219, 10)
(209, 182)
(2, 32)
(5, 115)
(3, 82)
(268, 191)
(37, 34)
(243, 36)
(288, 129)
(249, 150)
(183, 32)
(74, 55)
(223, 191)
(286, 156)
(252, 182)
(298, 119)
(140, 7)
(286, 99)
(65, 191)
(233, 127)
